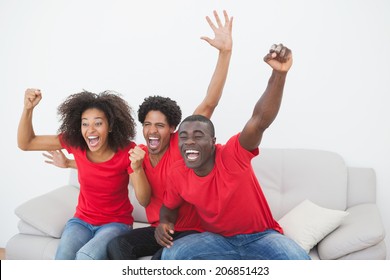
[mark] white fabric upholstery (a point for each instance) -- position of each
(308, 223)
(26, 228)
(49, 212)
(289, 176)
(361, 186)
(360, 230)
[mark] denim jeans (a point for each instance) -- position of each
(267, 245)
(83, 241)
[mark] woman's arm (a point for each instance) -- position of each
(27, 140)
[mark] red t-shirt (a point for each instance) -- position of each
(188, 218)
(229, 200)
(104, 196)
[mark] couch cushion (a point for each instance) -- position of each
(308, 223)
(31, 247)
(289, 176)
(49, 212)
(360, 230)
(26, 228)
(376, 252)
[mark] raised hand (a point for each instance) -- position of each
(222, 33)
(279, 58)
(136, 157)
(57, 158)
(32, 96)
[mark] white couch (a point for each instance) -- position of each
(288, 178)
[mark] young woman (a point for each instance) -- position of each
(97, 129)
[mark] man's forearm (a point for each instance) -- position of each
(168, 215)
(268, 105)
(141, 187)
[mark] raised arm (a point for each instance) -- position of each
(267, 107)
(27, 140)
(224, 43)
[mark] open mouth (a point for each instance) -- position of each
(192, 155)
(93, 141)
(154, 142)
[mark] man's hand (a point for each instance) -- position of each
(57, 158)
(222, 34)
(163, 234)
(279, 58)
(32, 96)
(136, 157)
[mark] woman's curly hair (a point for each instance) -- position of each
(165, 105)
(119, 115)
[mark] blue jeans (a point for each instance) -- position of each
(266, 245)
(83, 241)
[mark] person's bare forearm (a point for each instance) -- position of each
(223, 42)
(165, 229)
(25, 129)
(267, 107)
(217, 83)
(167, 215)
(141, 186)
(28, 141)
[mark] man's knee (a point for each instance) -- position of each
(168, 254)
(83, 256)
(175, 253)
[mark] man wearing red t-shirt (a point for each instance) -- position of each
(152, 162)
(219, 182)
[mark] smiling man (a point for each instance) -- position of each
(151, 162)
(219, 182)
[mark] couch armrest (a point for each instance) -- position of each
(49, 212)
(25, 228)
(361, 186)
(361, 229)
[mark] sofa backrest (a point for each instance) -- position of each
(73, 179)
(289, 176)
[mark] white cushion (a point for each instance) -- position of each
(26, 228)
(362, 229)
(49, 212)
(307, 223)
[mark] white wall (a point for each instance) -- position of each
(336, 96)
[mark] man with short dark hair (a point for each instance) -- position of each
(218, 180)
